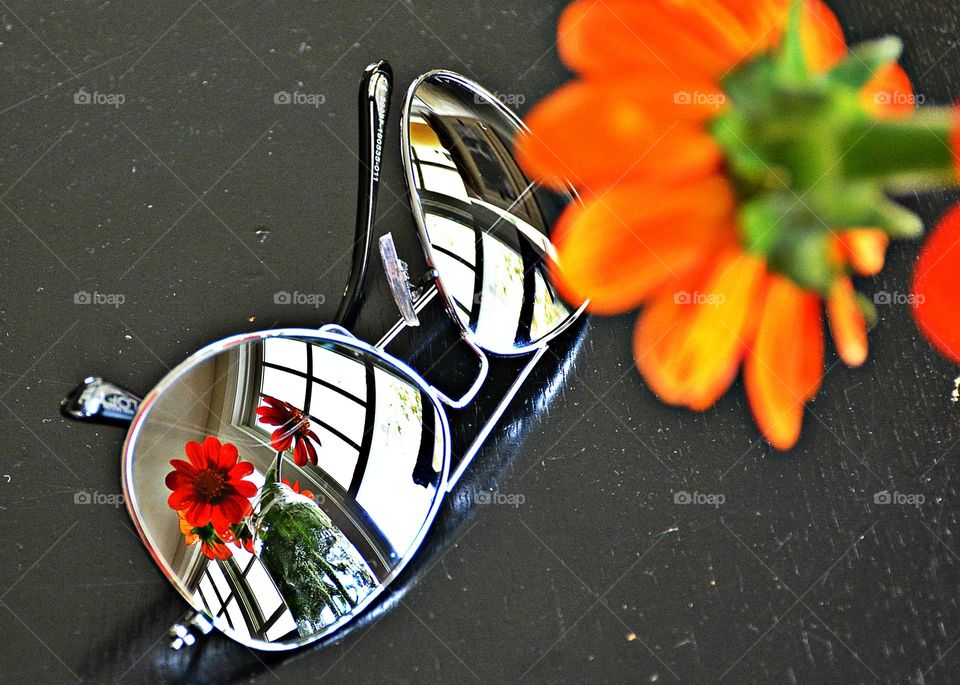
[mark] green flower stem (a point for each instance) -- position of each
(903, 155)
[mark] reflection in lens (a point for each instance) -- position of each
(486, 224)
(361, 450)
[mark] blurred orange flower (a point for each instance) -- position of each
(658, 226)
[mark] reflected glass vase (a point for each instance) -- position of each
(318, 572)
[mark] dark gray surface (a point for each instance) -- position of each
(598, 577)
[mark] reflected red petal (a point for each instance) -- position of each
(184, 466)
(211, 448)
(281, 439)
(244, 487)
(311, 451)
(199, 514)
(195, 454)
(243, 468)
(299, 453)
(177, 480)
(228, 456)
(181, 499)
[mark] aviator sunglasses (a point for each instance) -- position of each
(282, 479)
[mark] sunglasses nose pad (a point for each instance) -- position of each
(398, 278)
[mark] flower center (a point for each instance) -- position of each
(210, 484)
(298, 422)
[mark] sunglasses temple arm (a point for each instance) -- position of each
(96, 400)
(375, 88)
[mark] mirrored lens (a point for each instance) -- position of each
(362, 451)
(483, 222)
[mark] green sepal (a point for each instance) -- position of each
(804, 256)
(897, 221)
(751, 172)
(791, 62)
(864, 61)
(761, 222)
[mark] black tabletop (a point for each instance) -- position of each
(146, 168)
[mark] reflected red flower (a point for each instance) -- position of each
(210, 488)
(293, 429)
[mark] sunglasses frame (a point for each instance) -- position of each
(100, 401)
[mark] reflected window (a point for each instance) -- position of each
(240, 591)
(486, 229)
(379, 455)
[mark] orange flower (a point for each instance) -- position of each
(189, 536)
(659, 224)
(296, 488)
(214, 548)
(211, 544)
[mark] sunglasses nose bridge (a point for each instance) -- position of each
(405, 296)
(471, 393)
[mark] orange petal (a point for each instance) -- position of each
(622, 244)
(936, 304)
(889, 93)
(847, 323)
(689, 343)
(821, 36)
(765, 20)
(610, 36)
(785, 363)
(591, 135)
(865, 249)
